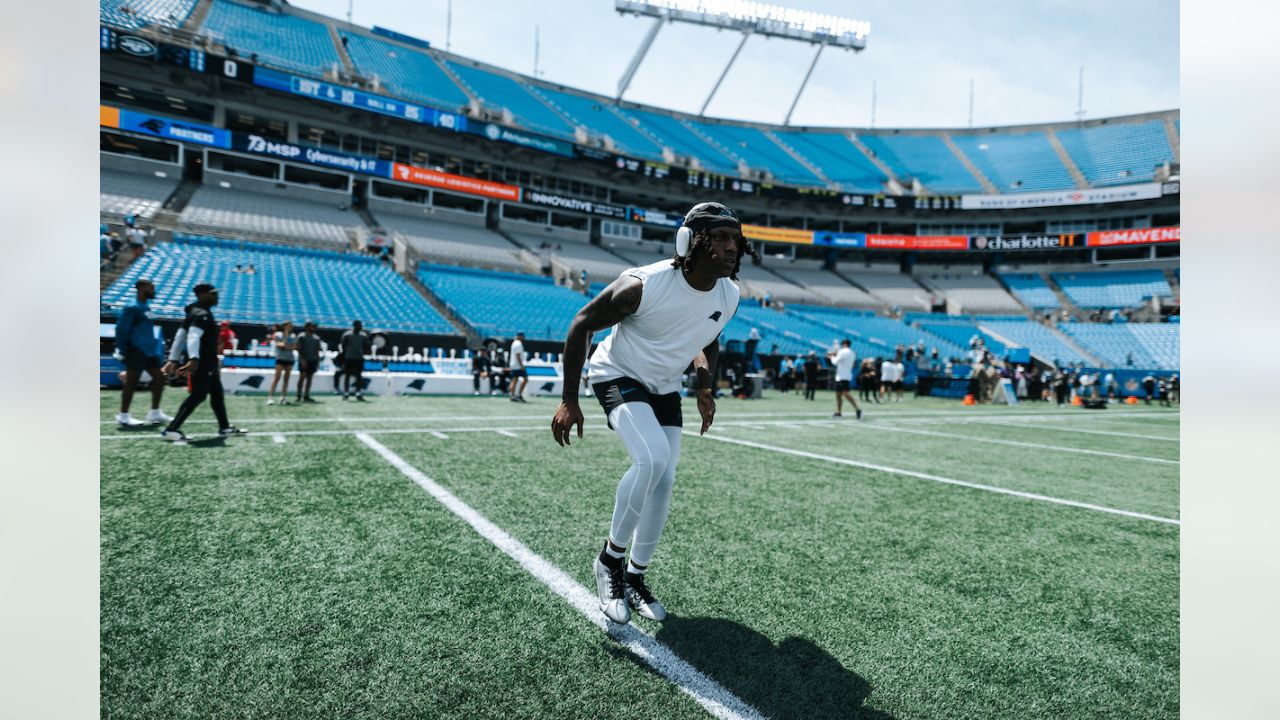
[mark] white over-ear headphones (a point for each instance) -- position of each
(684, 236)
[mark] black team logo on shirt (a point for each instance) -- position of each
(714, 316)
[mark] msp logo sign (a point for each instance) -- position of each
(493, 132)
(137, 46)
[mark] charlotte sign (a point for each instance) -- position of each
(1025, 242)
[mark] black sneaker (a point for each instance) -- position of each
(231, 430)
(859, 415)
(836, 415)
(639, 597)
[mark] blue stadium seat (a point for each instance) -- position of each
(838, 158)
(758, 151)
(1032, 290)
(1113, 289)
(684, 141)
(872, 335)
(1152, 346)
(279, 40)
(487, 300)
(1119, 154)
(791, 333)
(501, 91)
(596, 116)
(290, 283)
(924, 157)
(404, 72)
(959, 332)
(1019, 162)
(1037, 338)
(134, 14)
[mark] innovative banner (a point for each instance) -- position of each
(259, 145)
(562, 202)
(349, 97)
(456, 183)
(522, 138)
(1141, 236)
(1025, 242)
(783, 235)
(1011, 201)
(160, 127)
(918, 242)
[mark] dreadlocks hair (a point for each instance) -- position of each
(700, 246)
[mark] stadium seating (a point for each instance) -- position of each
(1120, 153)
(488, 301)
(1152, 346)
(894, 288)
(838, 158)
(280, 40)
(790, 332)
(960, 332)
(404, 72)
(1032, 290)
(134, 14)
(675, 135)
(600, 264)
(268, 214)
(596, 116)
(452, 243)
(1113, 289)
(297, 284)
(128, 193)
(973, 290)
(1040, 340)
(925, 158)
(503, 92)
(1016, 162)
(758, 151)
(760, 281)
(882, 335)
(810, 274)
(641, 252)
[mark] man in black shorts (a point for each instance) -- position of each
(352, 349)
(137, 345)
(308, 360)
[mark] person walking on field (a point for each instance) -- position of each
(843, 360)
(141, 350)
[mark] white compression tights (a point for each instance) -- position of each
(644, 494)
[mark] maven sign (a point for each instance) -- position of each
(1141, 236)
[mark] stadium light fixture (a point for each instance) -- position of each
(749, 18)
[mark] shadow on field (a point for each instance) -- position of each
(794, 680)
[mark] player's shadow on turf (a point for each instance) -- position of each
(794, 679)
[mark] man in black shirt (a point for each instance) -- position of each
(352, 349)
(481, 368)
(810, 375)
(199, 339)
(308, 360)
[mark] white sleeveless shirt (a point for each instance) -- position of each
(674, 322)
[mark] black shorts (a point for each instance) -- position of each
(518, 372)
(308, 365)
(897, 385)
(135, 359)
(286, 364)
(612, 393)
(842, 386)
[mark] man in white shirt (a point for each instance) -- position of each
(899, 372)
(843, 359)
(664, 315)
(886, 378)
(516, 369)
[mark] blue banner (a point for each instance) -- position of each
(174, 129)
(259, 145)
(350, 97)
(523, 139)
(837, 239)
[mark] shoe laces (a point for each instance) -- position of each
(635, 581)
(615, 582)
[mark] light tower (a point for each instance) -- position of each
(748, 18)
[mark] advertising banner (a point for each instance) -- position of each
(350, 97)
(837, 239)
(918, 242)
(259, 145)
(653, 217)
(1141, 236)
(1025, 242)
(1063, 197)
(456, 183)
(784, 235)
(589, 207)
(166, 128)
(522, 138)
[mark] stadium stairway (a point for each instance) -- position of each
(986, 183)
(464, 328)
(1175, 142)
(1076, 176)
(835, 270)
(197, 16)
(894, 184)
(1063, 300)
(800, 158)
(347, 66)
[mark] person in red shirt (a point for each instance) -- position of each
(226, 338)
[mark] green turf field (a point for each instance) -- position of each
(929, 561)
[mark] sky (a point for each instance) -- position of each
(1023, 57)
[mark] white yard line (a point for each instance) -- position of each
(1015, 443)
(712, 696)
(507, 433)
(1110, 433)
(936, 478)
(439, 435)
